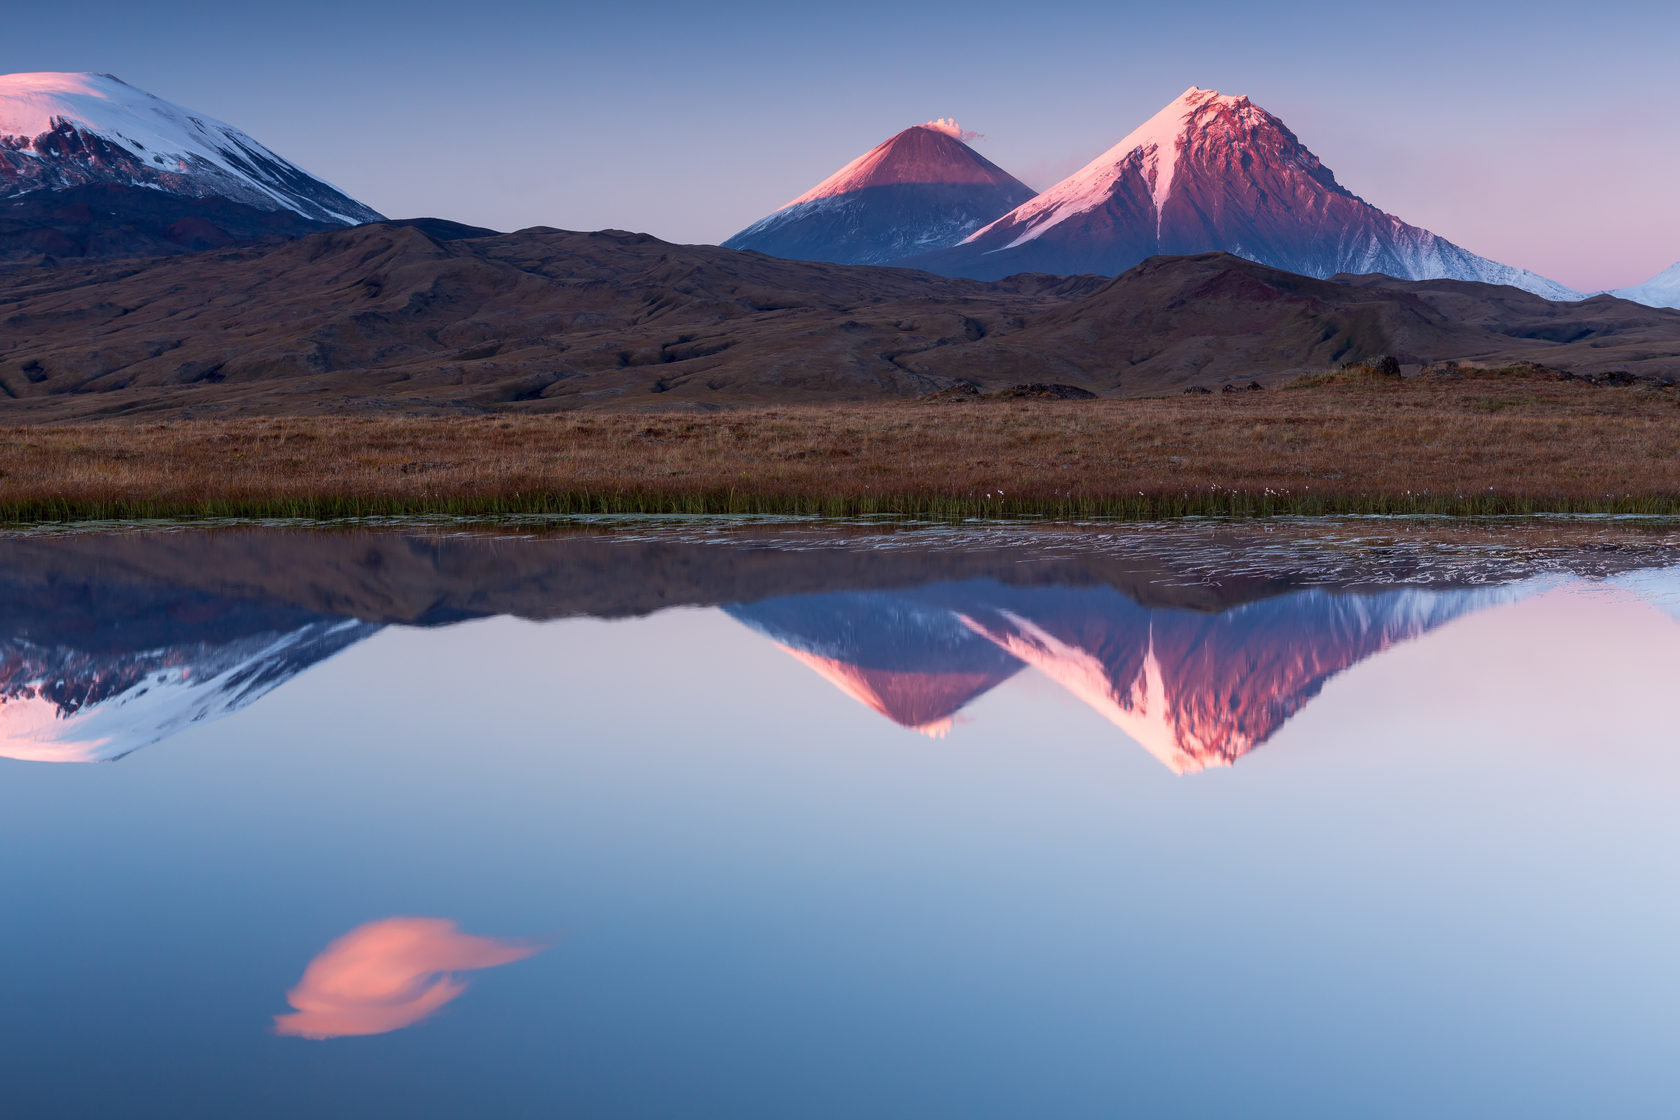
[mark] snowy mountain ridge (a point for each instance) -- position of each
(69, 130)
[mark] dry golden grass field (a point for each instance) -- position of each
(1474, 442)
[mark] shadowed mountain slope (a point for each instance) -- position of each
(116, 220)
(391, 317)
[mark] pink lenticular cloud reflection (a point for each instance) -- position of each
(389, 974)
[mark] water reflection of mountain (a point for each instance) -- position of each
(917, 663)
(1194, 688)
(91, 671)
(1199, 642)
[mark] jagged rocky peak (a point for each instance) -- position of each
(920, 190)
(67, 131)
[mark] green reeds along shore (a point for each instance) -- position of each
(919, 507)
(1467, 444)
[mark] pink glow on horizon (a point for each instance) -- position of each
(389, 974)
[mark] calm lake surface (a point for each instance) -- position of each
(1332, 819)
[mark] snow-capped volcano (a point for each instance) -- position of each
(60, 131)
(922, 190)
(1211, 172)
(1661, 290)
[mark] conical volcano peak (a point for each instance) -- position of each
(1214, 172)
(919, 190)
(934, 152)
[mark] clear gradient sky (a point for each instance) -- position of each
(1542, 134)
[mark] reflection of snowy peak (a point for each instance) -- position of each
(1200, 690)
(1659, 587)
(914, 663)
(71, 130)
(1196, 689)
(1211, 172)
(921, 190)
(59, 704)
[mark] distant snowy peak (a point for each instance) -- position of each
(70, 130)
(921, 190)
(1212, 172)
(1661, 290)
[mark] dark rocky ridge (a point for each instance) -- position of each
(388, 316)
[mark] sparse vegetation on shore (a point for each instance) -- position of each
(1468, 442)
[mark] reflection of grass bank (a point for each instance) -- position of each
(1458, 444)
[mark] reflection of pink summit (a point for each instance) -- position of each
(1196, 689)
(913, 662)
(921, 190)
(921, 701)
(1215, 173)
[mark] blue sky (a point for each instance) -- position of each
(1540, 134)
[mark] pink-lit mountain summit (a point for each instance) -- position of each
(921, 190)
(1209, 172)
(1212, 172)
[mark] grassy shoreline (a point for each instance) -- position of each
(1476, 445)
(909, 507)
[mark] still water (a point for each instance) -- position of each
(1340, 819)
